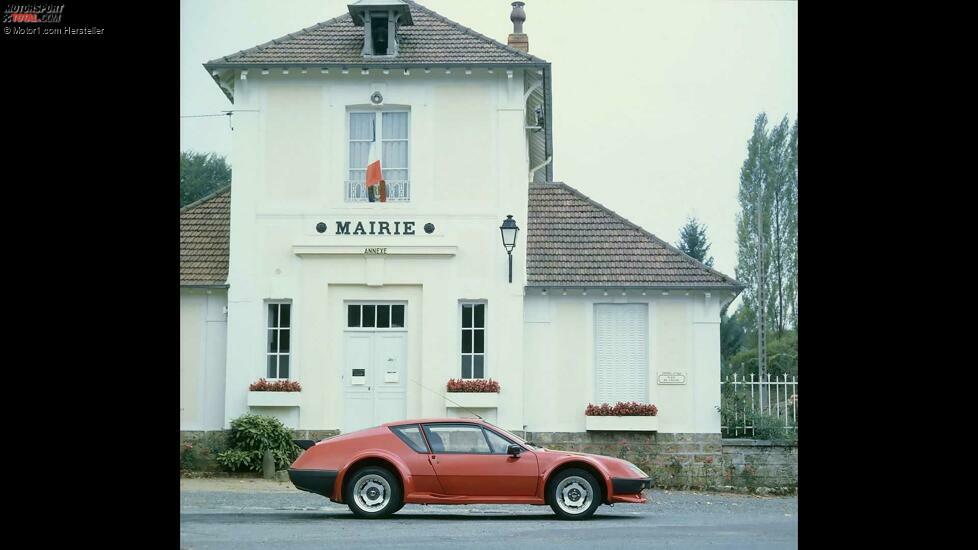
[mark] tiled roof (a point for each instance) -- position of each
(574, 241)
(432, 39)
(205, 228)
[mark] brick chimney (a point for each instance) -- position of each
(518, 39)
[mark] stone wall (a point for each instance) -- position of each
(676, 461)
(687, 461)
(752, 463)
(671, 460)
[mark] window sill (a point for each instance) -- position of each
(274, 398)
(622, 423)
(471, 400)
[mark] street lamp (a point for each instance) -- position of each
(508, 231)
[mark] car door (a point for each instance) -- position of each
(471, 460)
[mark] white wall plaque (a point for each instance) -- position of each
(672, 378)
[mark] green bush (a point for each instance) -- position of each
(250, 436)
(772, 428)
(188, 459)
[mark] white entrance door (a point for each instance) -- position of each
(374, 379)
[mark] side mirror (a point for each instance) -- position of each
(514, 450)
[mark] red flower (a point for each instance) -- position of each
(278, 385)
(474, 385)
(622, 409)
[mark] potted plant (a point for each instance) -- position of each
(279, 393)
(622, 416)
(474, 393)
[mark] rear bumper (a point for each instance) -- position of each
(314, 481)
(630, 486)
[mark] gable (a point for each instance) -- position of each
(574, 241)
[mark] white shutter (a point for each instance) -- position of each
(621, 346)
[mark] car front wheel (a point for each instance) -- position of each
(574, 494)
(373, 492)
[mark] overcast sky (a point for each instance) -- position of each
(653, 100)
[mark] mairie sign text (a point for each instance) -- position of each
(375, 228)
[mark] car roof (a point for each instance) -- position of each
(430, 420)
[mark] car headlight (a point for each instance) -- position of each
(637, 470)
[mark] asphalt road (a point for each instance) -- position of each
(269, 515)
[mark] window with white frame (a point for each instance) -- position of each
(388, 131)
(473, 340)
(375, 316)
(279, 339)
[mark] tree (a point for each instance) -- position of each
(792, 224)
(769, 191)
(201, 174)
(732, 333)
(753, 174)
(693, 241)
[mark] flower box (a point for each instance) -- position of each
(622, 423)
(471, 400)
(274, 398)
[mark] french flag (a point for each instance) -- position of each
(376, 186)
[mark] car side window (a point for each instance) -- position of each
(411, 434)
(498, 444)
(456, 438)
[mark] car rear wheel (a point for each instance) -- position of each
(574, 494)
(373, 492)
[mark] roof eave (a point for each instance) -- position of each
(650, 286)
(217, 65)
(227, 90)
(209, 286)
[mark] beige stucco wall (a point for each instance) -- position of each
(469, 169)
(203, 346)
(684, 336)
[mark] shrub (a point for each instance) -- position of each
(472, 385)
(199, 453)
(622, 409)
(248, 438)
(772, 428)
(187, 458)
(280, 385)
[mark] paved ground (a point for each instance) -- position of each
(252, 513)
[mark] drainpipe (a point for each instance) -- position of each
(539, 166)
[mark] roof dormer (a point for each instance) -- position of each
(380, 20)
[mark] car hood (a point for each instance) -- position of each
(600, 458)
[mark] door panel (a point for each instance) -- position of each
(487, 475)
(358, 405)
(464, 464)
(390, 386)
(374, 379)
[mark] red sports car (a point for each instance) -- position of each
(459, 461)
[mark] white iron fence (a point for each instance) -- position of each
(750, 403)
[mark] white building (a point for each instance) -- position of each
(374, 306)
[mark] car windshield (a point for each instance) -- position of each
(519, 440)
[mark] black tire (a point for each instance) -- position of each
(380, 487)
(581, 487)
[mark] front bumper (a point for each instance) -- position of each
(630, 486)
(314, 481)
